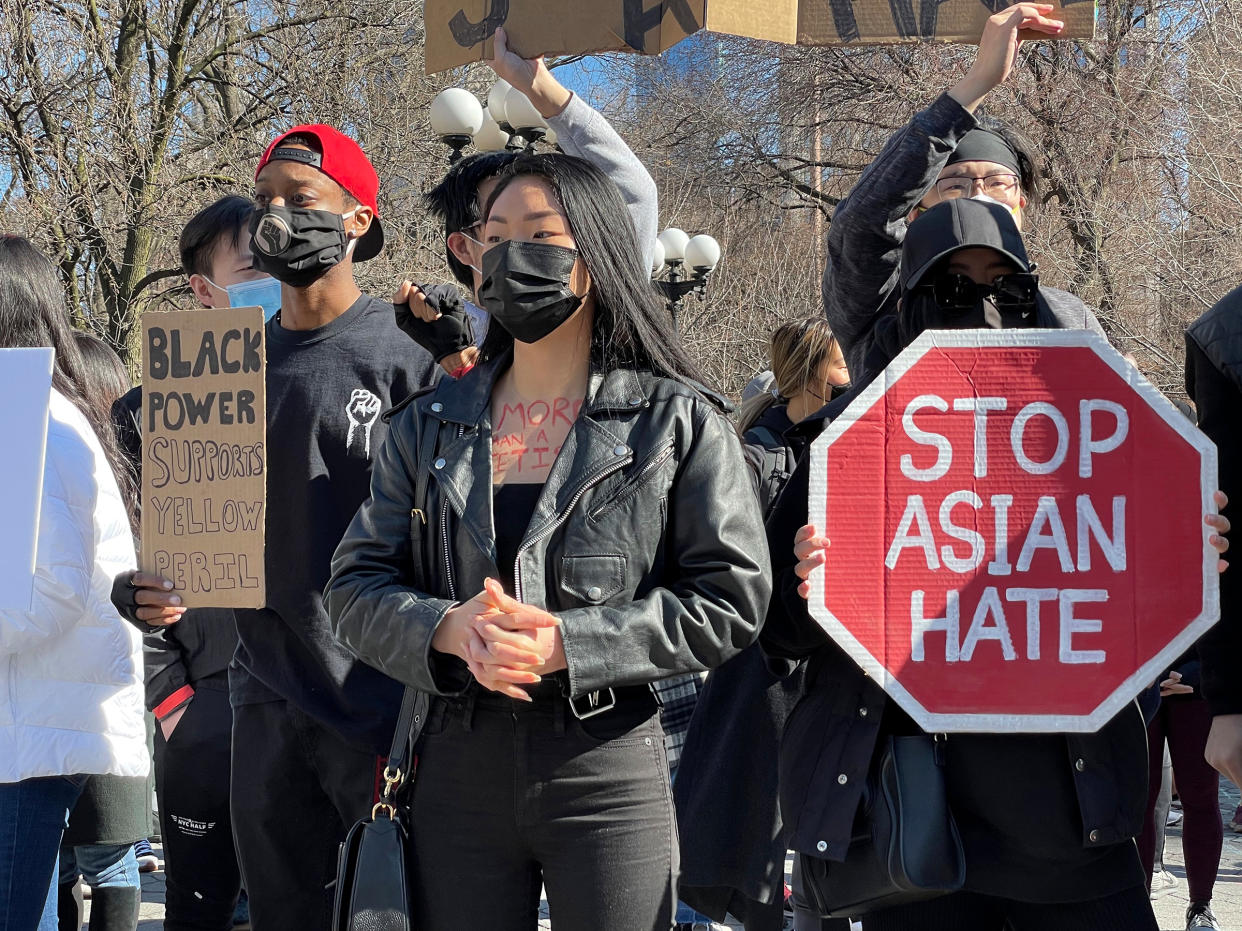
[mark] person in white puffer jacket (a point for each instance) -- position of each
(71, 694)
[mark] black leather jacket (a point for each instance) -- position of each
(647, 542)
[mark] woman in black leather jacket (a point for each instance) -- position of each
(587, 527)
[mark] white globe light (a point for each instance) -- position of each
(674, 242)
(491, 138)
(657, 258)
(703, 252)
(521, 112)
(456, 112)
(496, 99)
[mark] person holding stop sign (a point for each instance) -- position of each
(1046, 820)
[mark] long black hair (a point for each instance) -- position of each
(33, 315)
(632, 327)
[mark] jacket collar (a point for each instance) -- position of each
(464, 401)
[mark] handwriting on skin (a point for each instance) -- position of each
(528, 437)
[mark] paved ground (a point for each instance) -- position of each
(1170, 910)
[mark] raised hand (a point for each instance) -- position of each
(434, 317)
(531, 76)
(998, 49)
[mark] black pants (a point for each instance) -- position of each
(510, 795)
(297, 787)
(1129, 910)
(192, 785)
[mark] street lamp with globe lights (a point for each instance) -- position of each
(679, 253)
(527, 122)
(456, 116)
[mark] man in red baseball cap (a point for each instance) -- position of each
(310, 720)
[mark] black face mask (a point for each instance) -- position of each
(526, 288)
(295, 245)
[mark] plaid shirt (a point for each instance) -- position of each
(677, 698)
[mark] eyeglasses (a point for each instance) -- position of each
(998, 185)
(960, 294)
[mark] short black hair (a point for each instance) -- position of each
(455, 200)
(208, 228)
(1028, 169)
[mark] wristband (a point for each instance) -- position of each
(461, 371)
(178, 699)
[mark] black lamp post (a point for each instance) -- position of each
(682, 266)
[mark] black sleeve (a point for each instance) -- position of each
(1219, 402)
(789, 632)
(127, 421)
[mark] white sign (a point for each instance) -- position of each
(26, 383)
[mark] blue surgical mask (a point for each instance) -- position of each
(262, 292)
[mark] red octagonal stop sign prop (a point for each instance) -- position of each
(1016, 526)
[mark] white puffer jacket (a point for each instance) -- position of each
(71, 694)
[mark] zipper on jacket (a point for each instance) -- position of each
(623, 493)
(562, 517)
(448, 560)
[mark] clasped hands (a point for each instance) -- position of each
(505, 644)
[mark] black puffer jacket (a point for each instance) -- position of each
(1214, 381)
(647, 541)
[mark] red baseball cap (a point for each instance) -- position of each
(342, 160)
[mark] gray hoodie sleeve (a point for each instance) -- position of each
(869, 224)
(583, 132)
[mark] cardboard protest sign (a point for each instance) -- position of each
(1016, 527)
(460, 31)
(26, 383)
(204, 461)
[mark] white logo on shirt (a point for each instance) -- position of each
(362, 410)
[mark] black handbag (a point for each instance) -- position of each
(372, 885)
(372, 889)
(905, 847)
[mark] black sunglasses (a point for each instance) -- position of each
(958, 293)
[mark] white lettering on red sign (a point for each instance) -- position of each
(1102, 426)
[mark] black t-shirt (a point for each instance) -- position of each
(326, 391)
(512, 507)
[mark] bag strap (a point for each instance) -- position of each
(414, 703)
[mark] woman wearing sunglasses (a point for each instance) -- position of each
(1047, 821)
(945, 152)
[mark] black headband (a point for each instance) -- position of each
(981, 145)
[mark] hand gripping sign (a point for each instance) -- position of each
(1017, 531)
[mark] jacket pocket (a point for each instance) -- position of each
(593, 579)
(634, 480)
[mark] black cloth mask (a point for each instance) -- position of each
(295, 245)
(526, 288)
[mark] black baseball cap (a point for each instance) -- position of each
(953, 225)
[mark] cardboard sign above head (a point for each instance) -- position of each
(459, 32)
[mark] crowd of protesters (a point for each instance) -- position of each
(529, 505)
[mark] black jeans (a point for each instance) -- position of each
(1128, 910)
(510, 795)
(297, 787)
(192, 785)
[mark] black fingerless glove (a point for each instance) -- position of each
(124, 599)
(451, 333)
